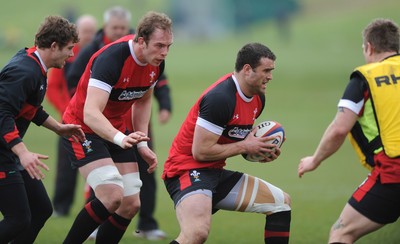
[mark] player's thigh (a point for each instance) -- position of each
(352, 225)
(14, 201)
(194, 212)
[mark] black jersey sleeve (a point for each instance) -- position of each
(107, 65)
(16, 85)
(356, 88)
(217, 108)
(40, 116)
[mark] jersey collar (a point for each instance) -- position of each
(241, 94)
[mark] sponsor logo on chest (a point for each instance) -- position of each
(130, 95)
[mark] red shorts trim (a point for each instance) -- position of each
(364, 188)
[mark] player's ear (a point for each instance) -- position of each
(247, 68)
(141, 41)
(54, 46)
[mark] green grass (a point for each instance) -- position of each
(311, 73)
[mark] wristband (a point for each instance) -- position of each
(118, 138)
(142, 144)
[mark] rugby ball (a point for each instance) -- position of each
(264, 129)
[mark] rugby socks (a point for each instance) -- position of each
(112, 230)
(91, 216)
(277, 228)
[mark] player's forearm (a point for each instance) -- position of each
(141, 113)
(52, 124)
(99, 124)
(19, 149)
(331, 141)
(218, 151)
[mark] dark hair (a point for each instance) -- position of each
(383, 35)
(56, 29)
(251, 54)
(150, 22)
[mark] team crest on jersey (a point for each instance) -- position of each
(87, 145)
(195, 175)
(152, 76)
(255, 113)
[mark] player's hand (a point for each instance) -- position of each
(259, 146)
(307, 164)
(150, 157)
(274, 154)
(31, 163)
(163, 116)
(133, 139)
(72, 131)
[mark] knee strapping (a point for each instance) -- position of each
(260, 200)
(252, 194)
(132, 183)
(108, 174)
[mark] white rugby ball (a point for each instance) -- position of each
(264, 129)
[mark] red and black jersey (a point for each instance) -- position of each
(116, 69)
(23, 84)
(222, 109)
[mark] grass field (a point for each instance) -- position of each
(311, 73)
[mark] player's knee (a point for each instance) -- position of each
(40, 218)
(108, 185)
(114, 200)
(105, 175)
(45, 212)
(17, 224)
(130, 207)
(277, 202)
(341, 234)
(200, 235)
(132, 184)
(131, 200)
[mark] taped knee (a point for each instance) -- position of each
(108, 174)
(262, 197)
(132, 183)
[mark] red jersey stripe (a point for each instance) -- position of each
(12, 135)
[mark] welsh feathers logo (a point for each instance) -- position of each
(152, 76)
(87, 145)
(195, 175)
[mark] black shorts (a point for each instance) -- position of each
(95, 148)
(11, 177)
(378, 202)
(219, 181)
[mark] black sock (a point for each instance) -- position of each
(174, 242)
(112, 230)
(91, 216)
(277, 228)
